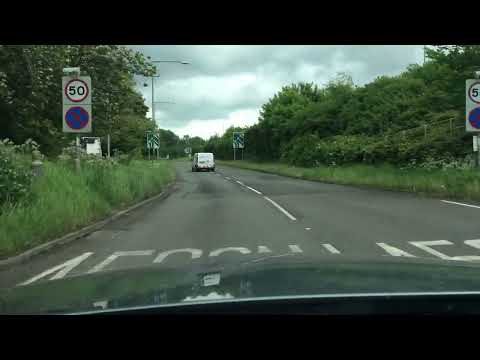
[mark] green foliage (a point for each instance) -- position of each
(302, 151)
(15, 170)
(64, 200)
(30, 88)
(381, 122)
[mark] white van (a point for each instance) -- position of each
(203, 161)
(92, 145)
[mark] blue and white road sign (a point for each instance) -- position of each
(238, 140)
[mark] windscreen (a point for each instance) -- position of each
(236, 171)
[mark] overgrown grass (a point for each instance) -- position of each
(451, 183)
(62, 201)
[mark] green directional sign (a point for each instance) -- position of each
(153, 140)
(238, 140)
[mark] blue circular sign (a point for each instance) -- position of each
(77, 118)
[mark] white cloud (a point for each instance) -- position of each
(224, 79)
(224, 90)
(206, 128)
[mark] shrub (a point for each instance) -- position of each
(15, 170)
(302, 151)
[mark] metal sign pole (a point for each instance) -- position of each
(478, 156)
(77, 159)
(234, 153)
(476, 153)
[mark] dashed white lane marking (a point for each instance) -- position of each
(263, 249)
(226, 177)
(290, 216)
(239, 182)
(63, 269)
(255, 191)
(462, 204)
(308, 228)
(331, 248)
(295, 248)
(116, 255)
(392, 250)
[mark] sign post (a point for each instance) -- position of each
(472, 113)
(77, 106)
(153, 143)
(238, 143)
(147, 143)
(475, 150)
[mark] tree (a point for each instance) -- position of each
(30, 84)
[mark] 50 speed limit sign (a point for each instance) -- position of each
(77, 104)
(472, 105)
(77, 90)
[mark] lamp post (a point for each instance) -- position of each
(153, 85)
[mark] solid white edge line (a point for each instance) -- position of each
(290, 216)
(462, 204)
(240, 182)
(255, 191)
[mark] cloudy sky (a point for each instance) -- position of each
(226, 85)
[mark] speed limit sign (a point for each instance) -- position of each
(77, 104)
(472, 105)
(77, 90)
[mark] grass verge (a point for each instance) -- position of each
(62, 201)
(449, 183)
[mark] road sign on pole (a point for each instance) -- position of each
(153, 140)
(77, 104)
(238, 140)
(472, 105)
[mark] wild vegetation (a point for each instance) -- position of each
(413, 118)
(35, 209)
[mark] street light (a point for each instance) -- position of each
(153, 86)
(171, 61)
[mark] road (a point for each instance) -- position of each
(235, 215)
